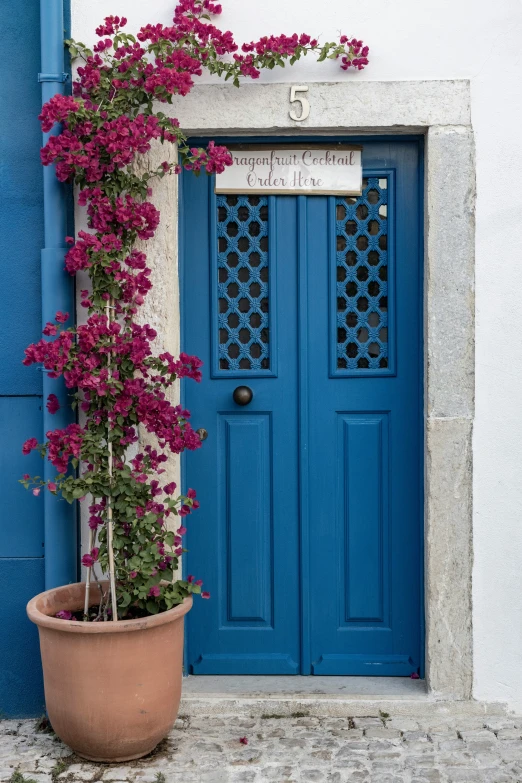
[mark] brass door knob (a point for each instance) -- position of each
(203, 434)
(242, 395)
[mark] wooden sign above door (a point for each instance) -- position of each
(331, 170)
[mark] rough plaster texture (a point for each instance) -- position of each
(161, 306)
(434, 40)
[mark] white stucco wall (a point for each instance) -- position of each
(441, 39)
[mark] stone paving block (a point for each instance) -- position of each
(495, 775)
(402, 724)
(450, 744)
(116, 773)
(495, 724)
(414, 736)
(427, 776)
(461, 774)
(477, 734)
(509, 734)
(366, 723)
(375, 732)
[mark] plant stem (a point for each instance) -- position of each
(108, 311)
(88, 577)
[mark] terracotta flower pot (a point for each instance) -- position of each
(112, 690)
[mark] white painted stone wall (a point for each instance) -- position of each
(441, 39)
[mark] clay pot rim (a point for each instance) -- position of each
(77, 626)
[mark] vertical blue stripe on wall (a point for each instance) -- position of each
(21, 240)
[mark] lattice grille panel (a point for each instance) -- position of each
(362, 278)
(242, 229)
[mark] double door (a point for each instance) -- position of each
(307, 313)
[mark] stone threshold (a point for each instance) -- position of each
(272, 696)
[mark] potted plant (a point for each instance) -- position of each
(112, 647)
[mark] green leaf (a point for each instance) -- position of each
(152, 607)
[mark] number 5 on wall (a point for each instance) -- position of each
(305, 106)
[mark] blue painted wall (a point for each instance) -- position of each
(21, 239)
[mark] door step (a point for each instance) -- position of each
(272, 696)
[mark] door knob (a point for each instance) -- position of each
(203, 434)
(242, 395)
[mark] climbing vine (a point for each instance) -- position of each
(116, 381)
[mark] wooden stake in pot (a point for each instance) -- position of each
(110, 550)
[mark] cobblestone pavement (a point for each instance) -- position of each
(286, 750)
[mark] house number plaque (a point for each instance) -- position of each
(333, 170)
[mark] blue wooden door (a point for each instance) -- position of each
(310, 529)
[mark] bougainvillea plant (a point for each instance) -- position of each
(108, 363)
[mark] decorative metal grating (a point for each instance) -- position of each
(362, 278)
(242, 230)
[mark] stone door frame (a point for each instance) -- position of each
(440, 110)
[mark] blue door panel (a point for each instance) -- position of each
(362, 460)
(21, 514)
(248, 533)
(309, 536)
(21, 682)
(244, 540)
(369, 530)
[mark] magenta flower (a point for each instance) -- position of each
(190, 579)
(414, 676)
(170, 488)
(205, 594)
(50, 329)
(64, 615)
(154, 591)
(53, 403)
(29, 445)
(60, 317)
(90, 559)
(51, 486)
(36, 491)
(191, 493)
(243, 740)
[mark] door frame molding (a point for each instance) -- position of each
(440, 111)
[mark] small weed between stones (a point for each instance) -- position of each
(384, 715)
(17, 777)
(43, 725)
(60, 766)
(351, 723)
(160, 778)
(277, 716)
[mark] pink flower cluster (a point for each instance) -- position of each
(64, 444)
(91, 558)
(57, 109)
(357, 54)
(120, 215)
(213, 159)
(102, 149)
